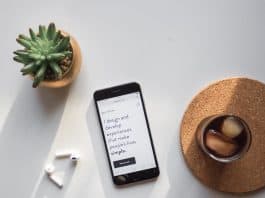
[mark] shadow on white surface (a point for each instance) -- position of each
(140, 189)
(180, 176)
(64, 169)
(26, 138)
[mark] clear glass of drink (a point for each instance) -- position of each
(224, 137)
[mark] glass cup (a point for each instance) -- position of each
(216, 138)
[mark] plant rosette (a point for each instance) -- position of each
(51, 58)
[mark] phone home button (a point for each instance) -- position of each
(122, 178)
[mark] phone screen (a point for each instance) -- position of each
(126, 133)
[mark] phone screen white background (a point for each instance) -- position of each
(126, 133)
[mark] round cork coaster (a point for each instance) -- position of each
(239, 96)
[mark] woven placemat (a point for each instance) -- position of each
(242, 97)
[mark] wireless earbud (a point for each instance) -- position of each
(49, 169)
(56, 180)
(63, 154)
(75, 157)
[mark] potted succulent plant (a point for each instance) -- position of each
(51, 57)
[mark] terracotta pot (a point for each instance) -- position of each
(71, 75)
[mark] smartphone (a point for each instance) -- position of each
(126, 133)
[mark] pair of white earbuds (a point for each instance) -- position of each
(49, 169)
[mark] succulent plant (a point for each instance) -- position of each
(43, 51)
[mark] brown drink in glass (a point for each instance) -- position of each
(224, 138)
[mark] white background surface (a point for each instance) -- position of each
(172, 48)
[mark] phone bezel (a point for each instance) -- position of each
(118, 91)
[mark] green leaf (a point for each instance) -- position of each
(21, 53)
(29, 68)
(45, 30)
(32, 34)
(34, 50)
(56, 56)
(57, 37)
(42, 31)
(24, 43)
(56, 69)
(51, 31)
(62, 45)
(39, 75)
(21, 59)
(38, 62)
(24, 37)
(39, 43)
(35, 45)
(67, 53)
(36, 56)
